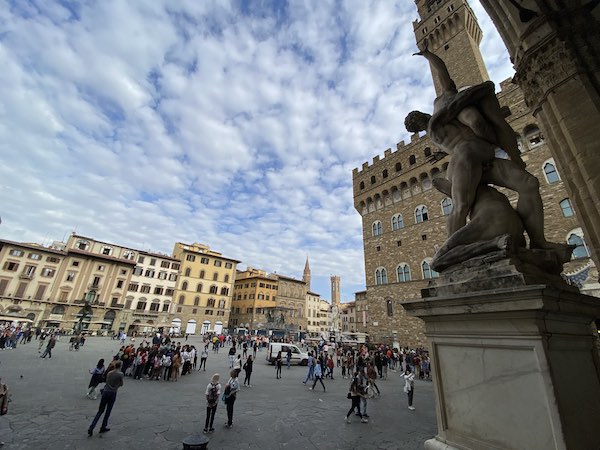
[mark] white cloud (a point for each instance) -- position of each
(147, 123)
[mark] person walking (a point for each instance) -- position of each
(318, 376)
(237, 365)
(311, 367)
(248, 365)
(372, 376)
(278, 364)
(231, 356)
(114, 380)
(43, 336)
(409, 386)
(355, 394)
(230, 394)
(213, 392)
(288, 357)
(97, 378)
(49, 347)
(203, 358)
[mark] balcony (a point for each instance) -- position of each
(26, 276)
(94, 287)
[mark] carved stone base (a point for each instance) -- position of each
(513, 368)
(491, 272)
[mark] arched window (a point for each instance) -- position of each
(199, 287)
(412, 160)
(215, 276)
(188, 271)
(398, 167)
(550, 172)
(581, 250)
(397, 222)
(58, 309)
(181, 299)
(202, 274)
(210, 303)
(381, 276)
(566, 207)
(385, 174)
(373, 179)
(196, 301)
(403, 273)
(377, 228)
(362, 185)
(427, 152)
(213, 289)
(428, 272)
(184, 286)
(446, 206)
(224, 290)
(226, 279)
(421, 214)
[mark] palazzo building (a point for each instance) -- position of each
(204, 289)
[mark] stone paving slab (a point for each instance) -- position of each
(49, 409)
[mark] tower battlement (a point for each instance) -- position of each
(388, 154)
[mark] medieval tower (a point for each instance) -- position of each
(403, 216)
(335, 290)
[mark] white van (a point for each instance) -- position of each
(298, 356)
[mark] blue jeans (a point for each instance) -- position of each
(309, 375)
(106, 402)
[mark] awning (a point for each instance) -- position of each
(102, 322)
(54, 320)
(153, 325)
(15, 319)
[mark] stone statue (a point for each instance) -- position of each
(469, 125)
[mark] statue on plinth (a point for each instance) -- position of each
(469, 125)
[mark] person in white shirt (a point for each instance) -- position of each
(409, 386)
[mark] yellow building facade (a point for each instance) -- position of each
(204, 290)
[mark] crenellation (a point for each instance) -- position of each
(387, 152)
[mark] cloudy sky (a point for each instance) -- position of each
(235, 124)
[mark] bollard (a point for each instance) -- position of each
(195, 442)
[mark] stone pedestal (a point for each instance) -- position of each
(514, 367)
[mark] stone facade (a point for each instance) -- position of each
(291, 301)
(403, 215)
(254, 295)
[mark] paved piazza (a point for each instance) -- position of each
(49, 409)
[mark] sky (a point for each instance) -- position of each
(234, 124)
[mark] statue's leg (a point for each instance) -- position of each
(529, 206)
(464, 172)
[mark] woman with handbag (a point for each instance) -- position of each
(409, 386)
(97, 378)
(355, 395)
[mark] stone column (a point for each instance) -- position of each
(513, 367)
(556, 55)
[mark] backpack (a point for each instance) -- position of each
(167, 362)
(213, 395)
